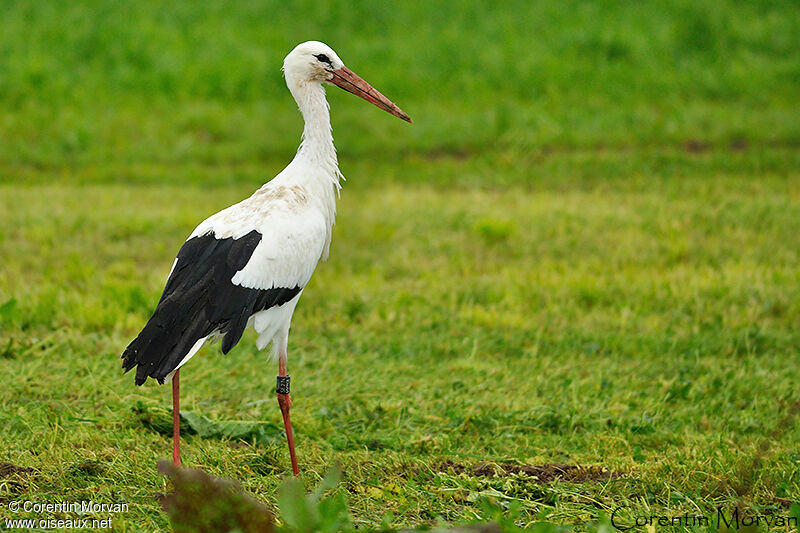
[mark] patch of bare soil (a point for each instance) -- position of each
(696, 146)
(13, 477)
(9, 469)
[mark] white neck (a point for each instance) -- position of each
(317, 146)
(316, 158)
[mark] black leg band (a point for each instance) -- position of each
(283, 385)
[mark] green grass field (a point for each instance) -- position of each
(584, 251)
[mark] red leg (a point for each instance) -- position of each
(176, 419)
(285, 402)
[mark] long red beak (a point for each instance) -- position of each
(353, 83)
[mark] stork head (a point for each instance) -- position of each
(316, 62)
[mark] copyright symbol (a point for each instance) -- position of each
(13, 507)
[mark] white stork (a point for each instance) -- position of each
(249, 264)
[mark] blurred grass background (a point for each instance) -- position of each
(147, 83)
(584, 250)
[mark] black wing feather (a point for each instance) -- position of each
(199, 299)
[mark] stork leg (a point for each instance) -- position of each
(285, 402)
(176, 419)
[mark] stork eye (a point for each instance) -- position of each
(323, 58)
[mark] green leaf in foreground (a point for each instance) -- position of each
(313, 512)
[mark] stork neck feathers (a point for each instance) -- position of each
(316, 147)
(316, 152)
